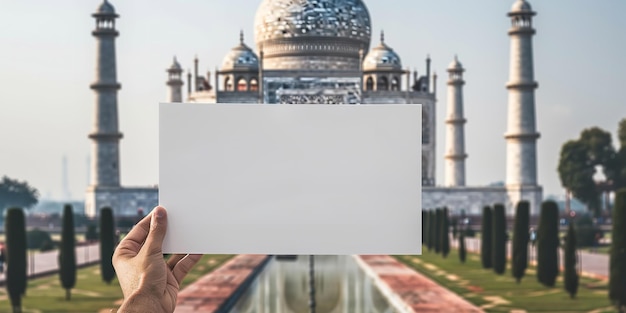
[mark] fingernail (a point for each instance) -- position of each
(160, 213)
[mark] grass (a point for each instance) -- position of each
(90, 294)
(500, 293)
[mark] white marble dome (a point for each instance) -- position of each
(240, 57)
(312, 34)
(455, 64)
(106, 8)
(382, 57)
(279, 19)
(521, 6)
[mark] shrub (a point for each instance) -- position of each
(67, 253)
(431, 229)
(617, 278)
(571, 274)
(445, 233)
(37, 238)
(107, 244)
(15, 231)
(438, 216)
(586, 231)
(520, 240)
(92, 233)
(498, 249)
(485, 240)
(462, 249)
(548, 244)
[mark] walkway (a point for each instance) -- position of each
(593, 265)
(44, 263)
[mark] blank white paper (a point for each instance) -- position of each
(291, 179)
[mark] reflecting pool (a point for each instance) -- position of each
(341, 286)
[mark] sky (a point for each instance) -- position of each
(48, 61)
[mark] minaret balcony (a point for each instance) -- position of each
(522, 31)
(105, 32)
(522, 85)
(103, 85)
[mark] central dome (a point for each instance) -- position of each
(312, 34)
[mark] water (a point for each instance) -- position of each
(341, 286)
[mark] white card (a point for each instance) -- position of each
(291, 179)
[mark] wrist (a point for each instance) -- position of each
(139, 303)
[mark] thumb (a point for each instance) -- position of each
(158, 227)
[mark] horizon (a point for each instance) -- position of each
(48, 71)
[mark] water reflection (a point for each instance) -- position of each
(341, 286)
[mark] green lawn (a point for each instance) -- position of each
(91, 294)
(500, 293)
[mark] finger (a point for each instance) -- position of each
(132, 242)
(184, 266)
(158, 227)
(171, 262)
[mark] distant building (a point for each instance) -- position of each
(318, 52)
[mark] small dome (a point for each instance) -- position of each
(175, 65)
(382, 57)
(240, 57)
(521, 6)
(455, 64)
(106, 8)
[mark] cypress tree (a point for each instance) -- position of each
(571, 274)
(437, 232)
(520, 240)
(498, 249)
(485, 240)
(454, 223)
(445, 233)
(15, 231)
(617, 278)
(548, 244)
(431, 229)
(462, 250)
(107, 244)
(424, 226)
(67, 253)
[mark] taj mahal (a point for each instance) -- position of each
(321, 52)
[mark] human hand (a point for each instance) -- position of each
(149, 283)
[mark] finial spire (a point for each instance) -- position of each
(241, 36)
(382, 36)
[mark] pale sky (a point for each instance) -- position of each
(48, 62)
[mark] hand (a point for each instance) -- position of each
(150, 284)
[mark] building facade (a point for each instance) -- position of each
(318, 52)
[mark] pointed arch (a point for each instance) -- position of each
(242, 84)
(395, 83)
(383, 83)
(369, 83)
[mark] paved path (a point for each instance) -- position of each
(593, 265)
(43, 263)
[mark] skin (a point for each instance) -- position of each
(148, 282)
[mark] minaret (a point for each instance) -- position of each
(105, 165)
(455, 134)
(175, 82)
(521, 135)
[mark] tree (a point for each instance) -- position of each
(107, 244)
(424, 227)
(485, 240)
(67, 253)
(437, 233)
(37, 238)
(578, 161)
(619, 163)
(548, 244)
(571, 273)
(520, 240)
(617, 265)
(431, 229)
(498, 238)
(445, 233)
(462, 249)
(15, 230)
(14, 193)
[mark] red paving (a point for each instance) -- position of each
(208, 293)
(417, 291)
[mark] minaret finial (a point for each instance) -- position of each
(241, 36)
(382, 36)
